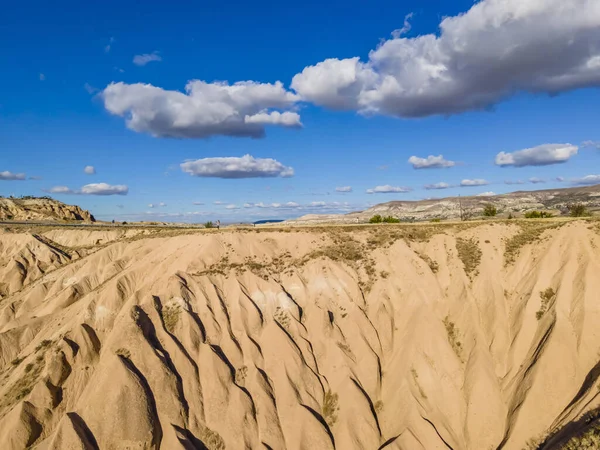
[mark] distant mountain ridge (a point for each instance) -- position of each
(449, 208)
(41, 209)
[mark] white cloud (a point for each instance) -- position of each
(108, 46)
(594, 144)
(236, 167)
(441, 185)
(486, 194)
(232, 207)
(145, 58)
(90, 89)
(559, 179)
(92, 189)
(514, 182)
(494, 50)
(387, 189)
(405, 28)
(157, 205)
(287, 119)
(197, 203)
(475, 182)
(205, 109)
(536, 180)
(60, 190)
(587, 180)
(343, 189)
(431, 162)
(90, 170)
(42, 77)
(104, 189)
(9, 176)
(542, 155)
(218, 202)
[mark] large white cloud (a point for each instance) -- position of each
(387, 189)
(494, 50)
(205, 109)
(475, 182)
(431, 162)
(237, 167)
(542, 155)
(92, 189)
(9, 176)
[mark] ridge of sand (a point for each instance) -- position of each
(346, 338)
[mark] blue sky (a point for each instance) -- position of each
(495, 77)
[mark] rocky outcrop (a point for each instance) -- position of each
(41, 209)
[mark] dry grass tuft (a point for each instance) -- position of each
(469, 253)
(330, 408)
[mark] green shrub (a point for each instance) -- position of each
(578, 210)
(390, 219)
(436, 220)
(376, 219)
(538, 215)
(510, 216)
(489, 210)
(209, 224)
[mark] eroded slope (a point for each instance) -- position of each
(423, 337)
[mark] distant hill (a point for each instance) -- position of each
(515, 203)
(41, 209)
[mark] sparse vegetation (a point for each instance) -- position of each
(330, 408)
(211, 439)
(415, 377)
(281, 316)
(390, 219)
(433, 265)
(376, 219)
(547, 296)
(170, 315)
(453, 337)
(436, 220)
(209, 224)
(378, 406)
(123, 352)
(590, 440)
(346, 349)
(538, 215)
(469, 253)
(240, 375)
(529, 234)
(490, 210)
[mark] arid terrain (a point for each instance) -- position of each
(477, 335)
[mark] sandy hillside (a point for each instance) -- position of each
(478, 336)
